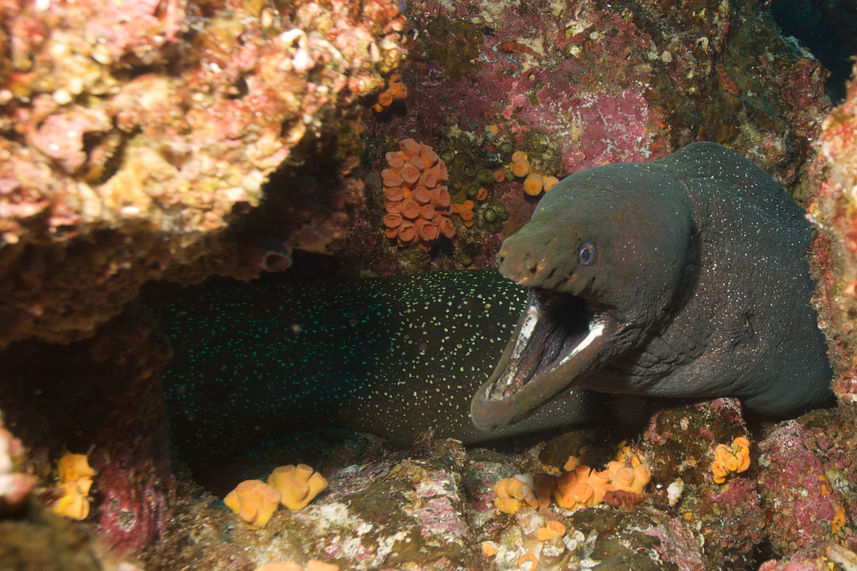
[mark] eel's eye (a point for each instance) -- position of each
(586, 253)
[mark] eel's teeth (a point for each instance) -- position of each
(596, 328)
(527, 327)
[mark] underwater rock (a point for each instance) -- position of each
(834, 210)
(809, 498)
(580, 84)
(135, 133)
(117, 412)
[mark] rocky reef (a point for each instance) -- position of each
(132, 136)
(181, 139)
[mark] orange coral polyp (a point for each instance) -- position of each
(385, 99)
(426, 230)
(441, 199)
(392, 220)
(551, 530)
(580, 487)
(410, 209)
(422, 195)
(445, 226)
(410, 173)
(548, 182)
(520, 169)
(430, 178)
(391, 177)
(254, 501)
(297, 485)
(428, 156)
(533, 184)
(512, 494)
(407, 232)
(410, 147)
(394, 194)
(394, 160)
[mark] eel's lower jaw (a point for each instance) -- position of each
(555, 343)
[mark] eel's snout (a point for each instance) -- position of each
(533, 262)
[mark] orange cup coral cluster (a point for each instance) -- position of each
(465, 211)
(581, 487)
(730, 460)
(623, 480)
(534, 183)
(293, 486)
(75, 481)
(417, 200)
(297, 485)
(396, 91)
(513, 493)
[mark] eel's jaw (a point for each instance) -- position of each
(549, 352)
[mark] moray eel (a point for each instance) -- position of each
(391, 356)
(683, 277)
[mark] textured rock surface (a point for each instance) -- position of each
(433, 506)
(582, 83)
(135, 142)
(116, 415)
(132, 134)
(834, 208)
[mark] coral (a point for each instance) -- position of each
(416, 199)
(297, 485)
(533, 184)
(551, 530)
(730, 460)
(625, 477)
(514, 493)
(580, 487)
(74, 467)
(520, 165)
(622, 482)
(396, 91)
(254, 501)
(464, 211)
(75, 480)
(73, 501)
(549, 181)
(134, 134)
(581, 84)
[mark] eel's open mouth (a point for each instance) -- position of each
(559, 337)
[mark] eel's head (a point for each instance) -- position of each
(603, 262)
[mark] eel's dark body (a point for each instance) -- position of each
(684, 277)
(391, 356)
